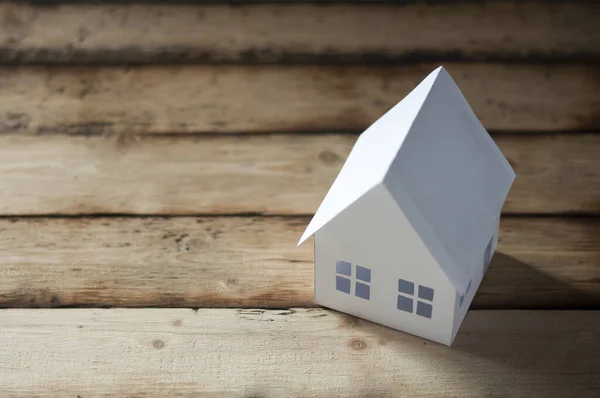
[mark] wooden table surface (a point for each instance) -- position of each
(159, 161)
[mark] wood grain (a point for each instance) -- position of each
(264, 174)
(296, 33)
(298, 353)
(254, 262)
(196, 99)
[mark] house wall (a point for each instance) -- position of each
(374, 233)
(460, 310)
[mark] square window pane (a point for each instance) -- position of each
(424, 309)
(487, 255)
(425, 293)
(405, 304)
(406, 287)
(363, 274)
(344, 268)
(363, 291)
(342, 284)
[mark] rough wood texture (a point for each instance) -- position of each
(555, 173)
(254, 262)
(141, 33)
(188, 99)
(265, 174)
(299, 353)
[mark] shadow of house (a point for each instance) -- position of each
(513, 284)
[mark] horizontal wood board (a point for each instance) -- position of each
(308, 353)
(551, 263)
(260, 174)
(268, 98)
(298, 33)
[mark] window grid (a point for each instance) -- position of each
(462, 297)
(487, 255)
(406, 298)
(361, 279)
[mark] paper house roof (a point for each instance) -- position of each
(441, 167)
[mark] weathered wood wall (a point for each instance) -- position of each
(264, 174)
(300, 33)
(273, 98)
(169, 154)
(253, 262)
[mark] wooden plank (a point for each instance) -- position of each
(299, 353)
(265, 174)
(552, 169)
(254, 262)
(297, 33)
(193, 99)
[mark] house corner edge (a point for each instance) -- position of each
(455, 316)
(315, 269)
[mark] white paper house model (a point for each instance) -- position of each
(407, 230)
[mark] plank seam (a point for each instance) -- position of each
(243, 134)
(307, 59)
(79, 216)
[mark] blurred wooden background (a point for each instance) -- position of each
(169, 154)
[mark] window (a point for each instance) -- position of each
(487, 255)
(344, 279)
(343, 270)
(462, 298)
(406, 298)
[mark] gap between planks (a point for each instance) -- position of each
(541, 263)
(298, 352)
